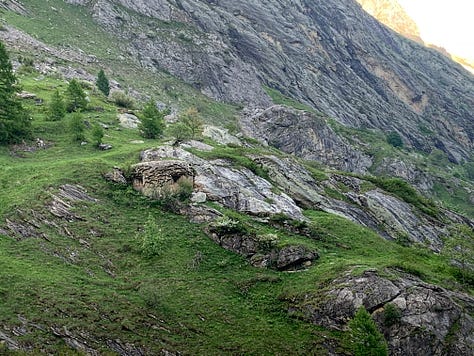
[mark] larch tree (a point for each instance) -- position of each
(15, 123)
(102, 83)
(76, 97)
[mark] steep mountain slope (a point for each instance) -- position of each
(329, 54)
(392, 14)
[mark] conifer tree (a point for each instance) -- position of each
(103, 83)
(366, 339)
(57, 108)
(14, 119)
(77, 127)
(76, 97)
(152, 121)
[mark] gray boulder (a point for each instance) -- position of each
(128, 121)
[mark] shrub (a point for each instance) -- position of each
(391, 315)
(152, 240)
(97, 134)
(179, 132)
(121, 99)
(173, 199)
(190, 119)
(365, 338)
(225, 225)
(393, 138)
(267, 241)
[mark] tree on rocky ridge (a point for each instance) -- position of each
(14, 119)
(103, 83)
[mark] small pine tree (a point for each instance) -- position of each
(366, 339)
(76, 97)
(57, 108)
(102, 83)
(152, 121)
(15, 123)
(77, 127)
(97, 134)
(191, 119)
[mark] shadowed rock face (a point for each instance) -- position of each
(329, 54)
(305, 135)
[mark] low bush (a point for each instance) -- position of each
(391, 315)
(121, 99)
(225, 225)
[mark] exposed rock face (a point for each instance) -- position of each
(305, 135)
(329, 54)
(260, 252)
(433, 321)
(238, 189)
(360, 202)
(159, 177)
(13, 5)
(393, 167)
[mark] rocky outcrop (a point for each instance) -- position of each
(13, 5)
(394, 167)
(430, 320)
(63, 201)
(357, 200)
(330, 55)
(303, 134)
(116, 176)
(235, 188)
(293, 187)
(262, 250)
(220, 135)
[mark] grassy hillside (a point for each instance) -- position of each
(89, 277)
(86, 281)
